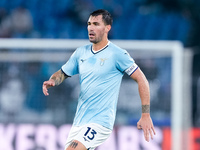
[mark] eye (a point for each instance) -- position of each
(96, 23)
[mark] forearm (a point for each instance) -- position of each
(58, 77)
(143, 88)
(144, 92)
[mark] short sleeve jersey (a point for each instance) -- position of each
(100, 76)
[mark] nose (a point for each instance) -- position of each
(90, 27)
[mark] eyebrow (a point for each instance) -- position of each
(93, 22)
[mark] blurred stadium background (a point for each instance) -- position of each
(31, 121)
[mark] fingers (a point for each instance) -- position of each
(45, 92)
(44, 88)
(145, 130)
(148, 131)
(154, 132)
(151, 134)
(46, 85)
(146, 134)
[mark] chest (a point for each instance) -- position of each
(96, 64)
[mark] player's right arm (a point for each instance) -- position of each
(56, 79)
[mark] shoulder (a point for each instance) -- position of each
(84, 47)
(81, 50)
(116, 49)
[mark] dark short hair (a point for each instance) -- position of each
(106, 16)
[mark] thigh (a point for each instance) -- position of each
(76, 145)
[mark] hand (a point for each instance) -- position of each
(145, 123)
(47, 85)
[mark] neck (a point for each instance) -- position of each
(100, 45)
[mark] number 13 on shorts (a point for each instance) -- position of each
(89, 134)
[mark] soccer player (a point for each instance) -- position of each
(100, 66)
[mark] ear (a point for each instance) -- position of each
(108, 27)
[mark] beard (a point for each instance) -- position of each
(95, 39)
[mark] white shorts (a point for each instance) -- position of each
(90, 135)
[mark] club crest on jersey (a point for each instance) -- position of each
(102, 61)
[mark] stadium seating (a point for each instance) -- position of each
(52, 19)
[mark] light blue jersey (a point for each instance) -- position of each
(100, 77)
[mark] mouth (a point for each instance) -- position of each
(91, 34)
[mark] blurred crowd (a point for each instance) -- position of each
(133, 19)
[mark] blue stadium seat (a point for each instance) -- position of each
(129, 7)
(61, 6)
(134, 28)
(3, 3)
(49, 34)
(183, 30)
(115, 30)
(170, 27)
(138, 27)
(65, 28)
(154, 27)
(15, 4)
(98, 4)
(31, 4)
(82, 33)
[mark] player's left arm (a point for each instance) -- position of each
(145, 123)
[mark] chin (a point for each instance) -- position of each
(93, 41)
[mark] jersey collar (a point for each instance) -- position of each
(95, 52)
